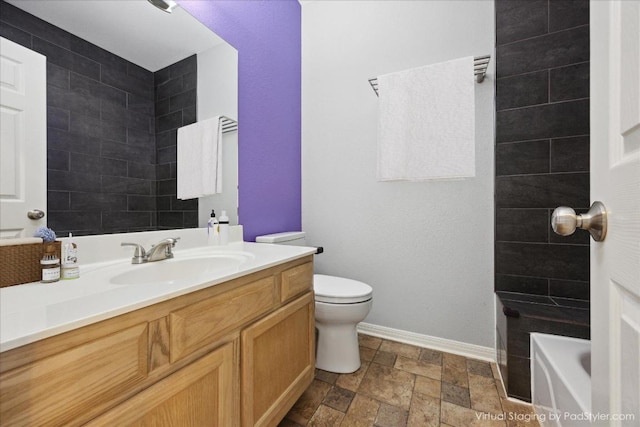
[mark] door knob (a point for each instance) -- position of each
(564, 221)
(35, 214)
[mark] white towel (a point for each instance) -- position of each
(199, 169)
(426, 122)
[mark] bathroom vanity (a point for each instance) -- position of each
(237, 350)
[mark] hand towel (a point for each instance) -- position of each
(426, 122)
(199, 170)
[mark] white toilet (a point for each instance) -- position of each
(340, 305)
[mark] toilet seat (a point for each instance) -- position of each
(338, 290)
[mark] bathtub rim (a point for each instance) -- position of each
(546, 344)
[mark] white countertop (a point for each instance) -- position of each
(35, 311)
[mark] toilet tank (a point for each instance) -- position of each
(293, 238)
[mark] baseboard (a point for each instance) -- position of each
(441, 344)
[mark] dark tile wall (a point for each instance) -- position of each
(542, 144)
(520, 314)
(111, 129)
(175, 88)
(542, 155)
(100, 131)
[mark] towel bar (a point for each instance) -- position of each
(480, 64)
(228, 125)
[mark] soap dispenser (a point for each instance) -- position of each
(213, 229)
(224, 228)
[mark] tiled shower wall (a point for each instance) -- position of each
(102, 114)
(175, 88)
(542, 144)
(542, 150)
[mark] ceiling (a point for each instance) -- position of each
(132, 29)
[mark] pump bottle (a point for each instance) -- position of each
(213, 230)
(224, 228)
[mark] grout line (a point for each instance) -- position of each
(542, 70)
(548, 33)
(564, 101)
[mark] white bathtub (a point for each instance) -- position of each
(560, 379)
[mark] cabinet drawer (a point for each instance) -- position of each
(296, 280)
(200, 324)
(70, 387)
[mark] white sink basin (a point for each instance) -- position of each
(179, 270)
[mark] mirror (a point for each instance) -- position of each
(118, 88)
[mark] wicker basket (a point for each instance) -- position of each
(21, 263)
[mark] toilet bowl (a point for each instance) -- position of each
(340, 304)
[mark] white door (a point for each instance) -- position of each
(615, 181)
(23, 141)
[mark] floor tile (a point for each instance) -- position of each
(501, 391)
(362, 412)
(339, 399)
(424, 411)
(288, 423)
(427, 386)
(309, 402)
(419, 367)
(353, 421)
(431, 356)
(484, 394)
(326, 417)
(495, 370)
(352, 381)
(478, 367)
(391, 416)
(403, 385)
(388, 385)
(457, 416)
(369, 341)
(384, 358)
(327, 377)
(367, 354)
(400, 349)
(519, 414)
(454, 369)
(456, 394)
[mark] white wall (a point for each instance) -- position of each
(425, 247)
(218, 95)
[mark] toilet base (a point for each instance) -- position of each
(338, 349)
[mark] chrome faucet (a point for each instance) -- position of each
(157, 252)
(161, 250)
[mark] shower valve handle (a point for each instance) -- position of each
(564, 221)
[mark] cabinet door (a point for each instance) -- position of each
(278, 362)
(74, 385)
(203, 393)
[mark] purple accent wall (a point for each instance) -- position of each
(268, 39)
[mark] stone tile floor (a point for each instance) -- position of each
(402, 385)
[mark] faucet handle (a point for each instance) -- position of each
(139, 256)
(169, 240)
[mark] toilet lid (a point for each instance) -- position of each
(339, 290)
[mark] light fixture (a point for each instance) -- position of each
(164, 5)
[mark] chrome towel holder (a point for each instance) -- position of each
(228, 125)
(480, 64)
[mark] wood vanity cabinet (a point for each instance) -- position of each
(239, 353)
(278, 362)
